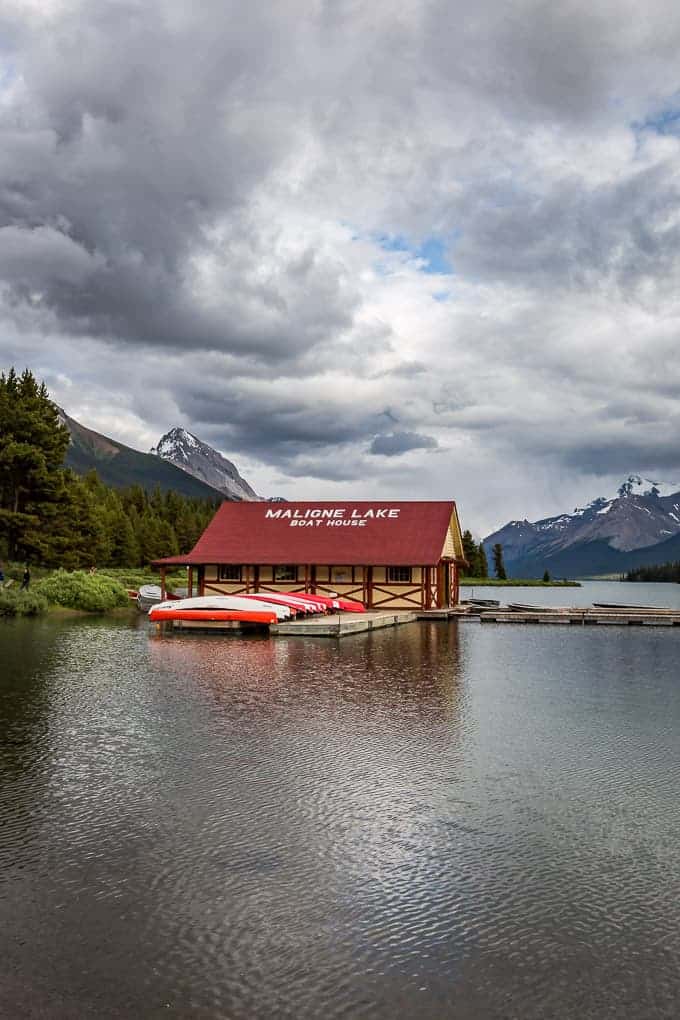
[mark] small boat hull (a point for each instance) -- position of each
(335, 602)
(291, 599)
(225, 603)
(158, 615)
(619, 605)
(517, 607)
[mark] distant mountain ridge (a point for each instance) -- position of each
(120, 466)
(638, 526)
(198, 459)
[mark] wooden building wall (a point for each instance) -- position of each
(427, 588)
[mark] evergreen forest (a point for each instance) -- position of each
(660, 572)
(50, 516)
(476, 557)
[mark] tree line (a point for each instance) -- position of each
(660, 572)
(478, 564)
(53, 517)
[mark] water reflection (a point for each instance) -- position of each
(434, 820)
(415, 667)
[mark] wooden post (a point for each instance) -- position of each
(440, 585)
(369, 587)
(201, 580)
(456, 584)
(312, 579)
(306, 577)
(162, 584)
(190, 582)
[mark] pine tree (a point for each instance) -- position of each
(483, 563)
(471, 554)
(498, 566)
(33, 444)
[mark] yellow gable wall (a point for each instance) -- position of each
(453, 543)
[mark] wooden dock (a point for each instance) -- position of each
(341, 625)
(585, 617)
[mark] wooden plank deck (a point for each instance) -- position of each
(587, 617)
(341, 625)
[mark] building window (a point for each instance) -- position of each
(341, 574)
(228, 572)
(285, 572)
(398, 575)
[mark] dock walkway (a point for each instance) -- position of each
(340, 625)
(585, 617)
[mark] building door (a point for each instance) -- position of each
(447, 585)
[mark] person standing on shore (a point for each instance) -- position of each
(26, 579)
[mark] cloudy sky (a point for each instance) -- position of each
(366, 249)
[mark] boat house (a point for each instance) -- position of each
(386, 555)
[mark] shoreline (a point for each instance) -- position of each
(492, 582)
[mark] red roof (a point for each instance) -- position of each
(370, 533)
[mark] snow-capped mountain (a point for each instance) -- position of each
(643, 514)
(202, 461)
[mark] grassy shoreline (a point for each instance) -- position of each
(515, 582)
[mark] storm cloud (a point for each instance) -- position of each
(334, 239)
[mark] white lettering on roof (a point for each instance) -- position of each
(333, 516)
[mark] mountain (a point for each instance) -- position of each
(640, 525)
(192, 455)
(120, 466)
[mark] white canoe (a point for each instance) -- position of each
(290, 599)
(226, 602)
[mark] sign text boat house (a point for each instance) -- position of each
(386, 555)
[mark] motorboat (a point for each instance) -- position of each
(148, 595)
(151, 594)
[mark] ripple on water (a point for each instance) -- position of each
(435, 821)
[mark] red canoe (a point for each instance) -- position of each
(334, 602)
(211, 615)
(291, 599)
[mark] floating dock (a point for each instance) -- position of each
(585, 617)
(340, 625)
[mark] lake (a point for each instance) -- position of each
(440, 820)
(626, 592)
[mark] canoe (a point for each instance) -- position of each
(335, 602)
(163, 615)
(517, 607)
(620, 605)
(292, 599)
(274, 604)
(224, 603)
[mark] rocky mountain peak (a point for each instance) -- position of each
(201, 460)
(634, 485)
(643, 513)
